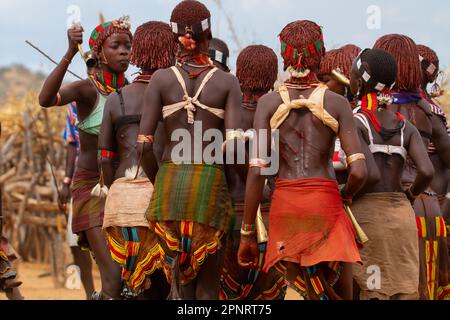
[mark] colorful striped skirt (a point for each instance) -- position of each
(312, 283)
(191, 212)
(87, 209)
(191, 192)
(238, 283)
(132, 244)
(434, 260)
(138, 252)
(7, 272)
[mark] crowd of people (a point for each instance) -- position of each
(357, 207)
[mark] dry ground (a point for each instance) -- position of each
(37, 286)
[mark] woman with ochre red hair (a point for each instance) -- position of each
(111, 44)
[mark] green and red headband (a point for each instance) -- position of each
(96, 33)
(122, 23)
(313, 49)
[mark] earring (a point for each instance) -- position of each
(358, 94)
(104, 57)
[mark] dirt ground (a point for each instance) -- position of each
(38, 285)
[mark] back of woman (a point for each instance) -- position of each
(409, 100)
(129, 194)
(383, 209)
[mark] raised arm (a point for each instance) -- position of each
(441, 139)
(107, 142)
(248, 250)
(51, 93)
(151, 114)
(418, 153)
(357, 170)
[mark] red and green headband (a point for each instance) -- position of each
(292, 53)
(96, 33)
(122, 23)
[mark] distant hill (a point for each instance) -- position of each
(18, 80)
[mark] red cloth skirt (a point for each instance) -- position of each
(308, 224)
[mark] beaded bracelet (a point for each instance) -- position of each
(106, 154)
(58, 100)
(355, 157)
(258, 163)
(67, 60)
(234, 134)
(248, 229)
(145, 139)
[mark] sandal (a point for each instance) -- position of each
(98, 296)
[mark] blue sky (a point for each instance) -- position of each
(44, 22)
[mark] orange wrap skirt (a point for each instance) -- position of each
(308, 224)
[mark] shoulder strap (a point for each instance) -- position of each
(362, 118)
(284, 94)
(202, 85)
(314, 103)
(180, 80)
(318, 95)
(402, 135)
(122, 103)
(204, 82)
(317, 98)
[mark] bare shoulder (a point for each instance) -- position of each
(334, 100)
(230, 80)
(410, 129)
(85, 84)
(161, 74)
(425, 106)
(85, 88)
(113, 99)
(269, 103)
(226, 75)
(162, 77)
(336, 104)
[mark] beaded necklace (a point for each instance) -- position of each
(107, 82)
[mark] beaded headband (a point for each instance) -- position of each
(312, 49)
(122, 23)
(367, 77)
(196, 28)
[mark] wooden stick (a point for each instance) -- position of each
(49, 58)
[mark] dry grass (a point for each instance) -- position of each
(445, 99)
(13, 109)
